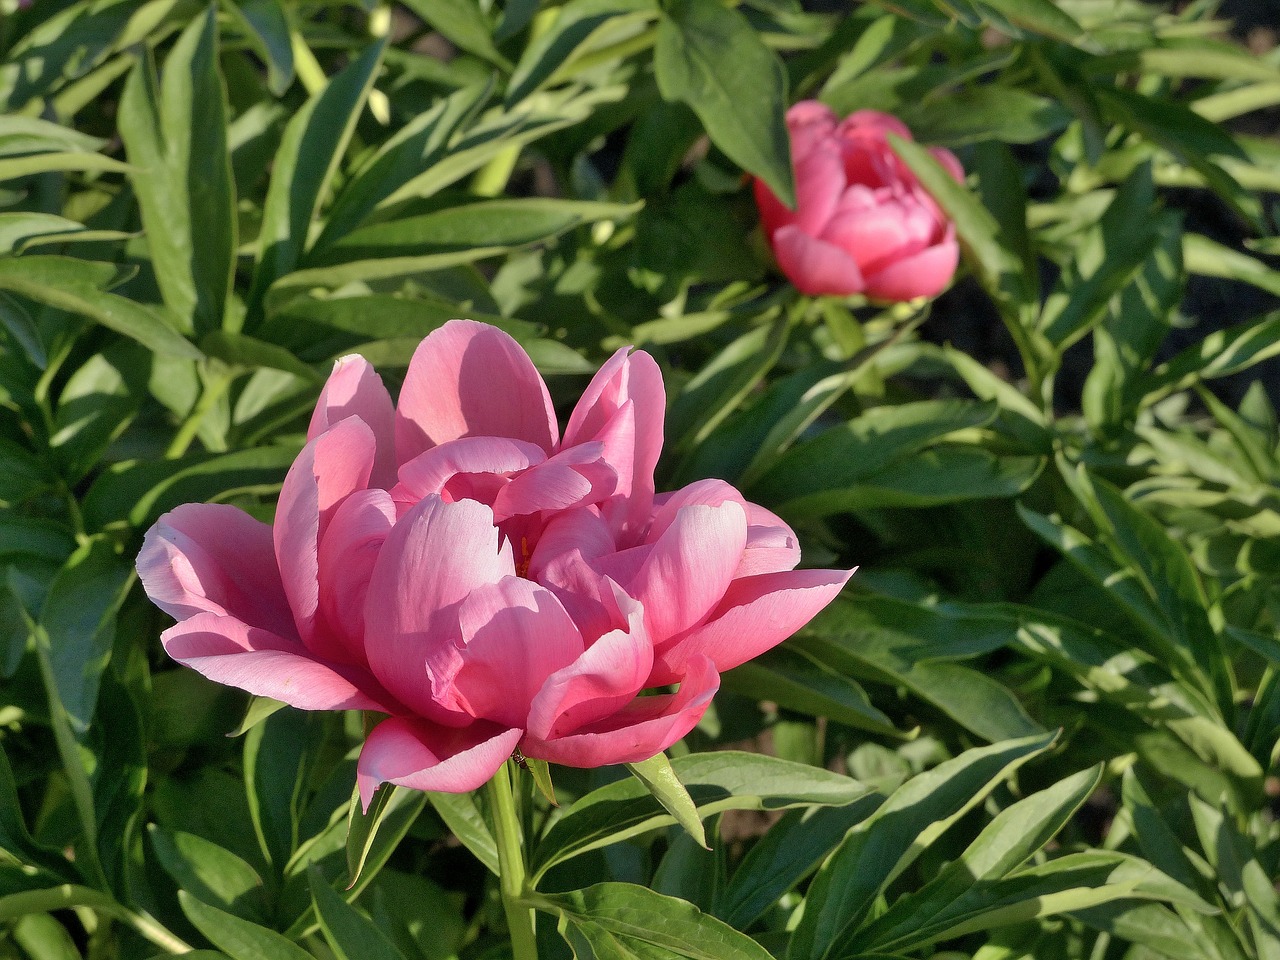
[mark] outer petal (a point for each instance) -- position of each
(757, 613)
(870, 237)
(230, 652)
(926, 274)
(422, 756)
(354, 389)
(515, 634)
(347, 555)
(330, 468)
(771, 544)
(814, 266)
(433, 558)
(467, 379)
(809, 122)
(646, 726)
(689, 568)
(599, 683)
(212, 557)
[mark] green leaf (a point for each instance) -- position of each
(240, 350)
(210, 873)
(660, 780)
(1220, 354)
(1211, 259)
(304, 166)
(265, 26)
(462, 23)
(580, 26)
(15, 839)
(239, 938)
(22, 135)
(991, 112)
(1039, 16)
(720, 781)
(15, 167)
(790, 850)
(77, 286)
(710, 57)
(368, 845)
(277, 756)
(351, 935)
(622, 921)
(1008, 841)
(461, 815)
(882, 846)
(175, 132)
(540, 770)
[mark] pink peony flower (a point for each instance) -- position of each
(456, 563)
(862, 223)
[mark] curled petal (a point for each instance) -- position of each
(646, 726)
(514, 634)
(599, 683)
(757, 613)
(354, 389)
(814, 266)
(347, 555)
(689, 567)
(432, 559)
(573, 477)
(472, 468)
(330, 468)
(214, 558)
(925, 274)
(423, 756)
(238, 655)
(467, 379)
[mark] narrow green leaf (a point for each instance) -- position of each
(266, 27)
(210, 873)
(540, 770)
(710, 57)
(660, 780)
(351, 935)
(461, 815)
(882, 846)
(621, 920)
(462, 23)
(304, 166)
(238, 349)
(368, 844)
(175, 132)
(1220, 354)
(238, 938)
(77, 286)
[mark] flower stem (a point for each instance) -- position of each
(511, 865)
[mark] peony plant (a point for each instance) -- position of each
(862, 222)
(456, 563)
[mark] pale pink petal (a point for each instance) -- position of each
(815, 267)
(467, 379)
(771, 545)
(213, 557)
(710, 492)
(926, 274)
(347, 554)
(472, 468)
(809, 122)
(689, 567)
(757, 613)
(645, 727)
(422, 756)
(624, 405)
(354, 389)
(573, 477)
(436, 554)
(581, 530)
(238, 655)
(515, 634)
(949, 163)
(599, 683)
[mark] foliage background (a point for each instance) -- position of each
(1060, 479)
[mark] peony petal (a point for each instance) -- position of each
(472, 468)
(645, 727)
(809, 122)
(689, 567)
(238, 655)
(347, 554)
(599, 683)
(820, 181)
(215, 558)
(772, 546)
(515, 634)
(871, 237)
(926, 274)
(330, 468)
(467, 379)
(436, 554)
(757, 613)
(815, 267)
(949, 163)
(575, 477)
(354, 389)
(422, 756)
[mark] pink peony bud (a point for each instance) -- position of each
(456, 563)
(862, 223)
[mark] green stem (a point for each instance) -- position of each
(511, 864)
(213, 391)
